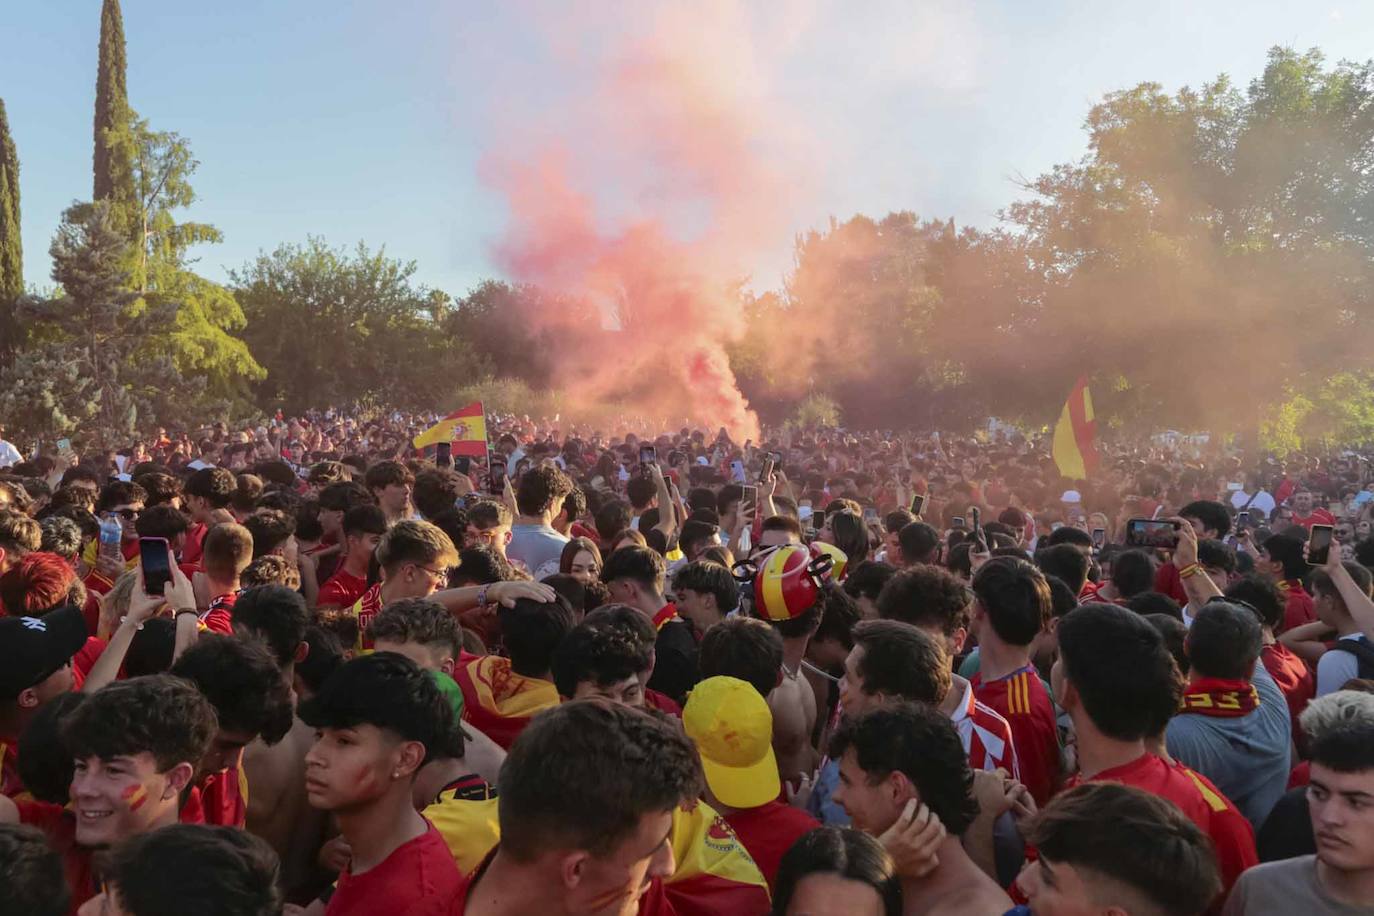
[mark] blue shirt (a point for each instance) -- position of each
(822, 804)
(537, 547)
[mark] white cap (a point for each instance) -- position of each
(1071, 496)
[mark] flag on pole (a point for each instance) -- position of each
(1075, 449)
(465, 428)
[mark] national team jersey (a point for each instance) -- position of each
(1232, 836)
(986, 736)
(365, 609)
(1293, 677)
(342, 590)
(218, 617)
(1298, 607)
(465, 814)
(1023, 701)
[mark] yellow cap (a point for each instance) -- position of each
(733, 731)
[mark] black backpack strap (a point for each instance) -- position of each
(1362, 651)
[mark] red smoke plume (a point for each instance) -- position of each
(649, 191)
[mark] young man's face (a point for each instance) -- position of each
(613, 885)
(331, 520)
(698, 607)
(346, 767)
(853, 700)
(497, 537)
(872, 808)
(1342, 810)
(1057, 889)
(123, 796)
(364, 544)
(394, 498)
(416, 580)
(50, 688)
(226, 751)
(1302, 503)
(127, 513)
(629, 692)
(430, 658)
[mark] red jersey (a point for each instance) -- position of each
(1232, 836)
(1021, 699)
(1318, 517)
(663, 703)
(221, 800)
(195, 544)
(419, 878)
(1293, 677)
(84, 660)
(986, 736)
(768, 831)
(365, 608)
(342, 590)
(1168, 582)
(11, 786)
(1089, 593)
(1298, 606)
(219, 618)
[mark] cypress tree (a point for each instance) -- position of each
(11, 246)
(114, 173)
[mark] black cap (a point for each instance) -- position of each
(32, 648)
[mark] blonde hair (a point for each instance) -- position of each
(415, 542)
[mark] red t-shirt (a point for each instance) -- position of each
(1293, 677)
(663, 703)
(768, 831)
(1232, 836)
(1168, 581)
(218, 801)
(419, 878)
(195, 544)
(1298, 608)
(10, 783)
(1318, 517)
(342, 589)
(219, 618)
(368, 606)
(1021, 699)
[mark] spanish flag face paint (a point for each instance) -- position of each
(135, 796)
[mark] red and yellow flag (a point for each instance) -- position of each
(465, 428)
(1075, 435)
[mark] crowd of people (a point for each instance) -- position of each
(300, 667)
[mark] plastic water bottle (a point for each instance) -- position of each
(111, 534)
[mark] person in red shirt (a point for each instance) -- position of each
(35, 668)
(1283, 560)
(241, 680)
(1289, 671)
(732, 728)
(228, 551)
(1211, 521)
(1119, 684)
(587, 800)
(363, 527)
(135, 745)
(1089, 844)
(1012, 606)
(1307, 513)
(206, 495)
(188, 868)
(376, 718)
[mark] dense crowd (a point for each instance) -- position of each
(301, 667)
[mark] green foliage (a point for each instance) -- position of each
(113, 163)
(337, 328)
(815, 410)
(11, 245)
(1337, 410)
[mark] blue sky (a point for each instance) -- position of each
(366, 119)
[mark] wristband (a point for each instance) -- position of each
(1192, 569)
(482, 596)
(185, 610)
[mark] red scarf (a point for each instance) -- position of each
(1221, 698)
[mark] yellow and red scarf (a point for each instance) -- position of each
(1220, 698)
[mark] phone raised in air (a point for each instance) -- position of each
(443, 454)
(648, 455)
(958, 521)
(156, 559)
(918, 503)
(749, 503)
(767, 468)
(870, 515)
(1099, 538)
(1319, 545)
(497, 478)
(462, 464)
(1151, 533)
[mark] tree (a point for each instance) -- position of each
(11, 245)
(336, 328)
(84, 372)
(113, 163)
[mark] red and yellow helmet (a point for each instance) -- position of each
(788, 582)
(839, 563)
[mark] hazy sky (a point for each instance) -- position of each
(366, 119)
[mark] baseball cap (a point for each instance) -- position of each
(733, 731)
(32, 648)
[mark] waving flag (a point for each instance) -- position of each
(465, 428)
(1075, 450)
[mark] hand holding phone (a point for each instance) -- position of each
(155, 556)
(918, 502)
(1319, 545)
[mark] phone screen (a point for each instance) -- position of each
(958, 521)
(1099, 537)
(750, 501)
(157, 565)
(498, 479)
(1242, 519)
(870, 515)
(918, 502)
(1148, 532)
(463, 464)
(647, 455)
(1319, 547)
(443, 454)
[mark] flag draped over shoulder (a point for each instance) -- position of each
(1075, 449)
(465, 428)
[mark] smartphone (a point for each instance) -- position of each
(750, 502)
(767, 468)
(443, 454)
(870, 515)
(1151, 533)
(1242, 519)
(156, 559)
(918, 502)
(64, 446)
(462, 464)
(958, 521)
(1319, 545)
(497, 478)
(1099, 538)
(818, 519)
(648, 455)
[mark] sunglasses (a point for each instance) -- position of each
(127, 514)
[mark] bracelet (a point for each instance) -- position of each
(185, 610)
(482, 596)
(1192, 569)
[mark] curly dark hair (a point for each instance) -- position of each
(194, 868)
(901, 660)
(540, 488)
(216, 486)
(602, 655)
(344, 495)
(277, 615)
(436, 490)
(241, 680)
(562, 769)
(159, 714)
(744, 648)
(921, 743)
(927, 597)
(270, 528)
(417, 620)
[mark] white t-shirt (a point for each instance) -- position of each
(1335, 668)
(9, 454)
(1262, 501)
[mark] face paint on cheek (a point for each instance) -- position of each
(135, 796)
(609, 897)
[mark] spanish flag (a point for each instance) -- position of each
(1074, 435)
(465, 428)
